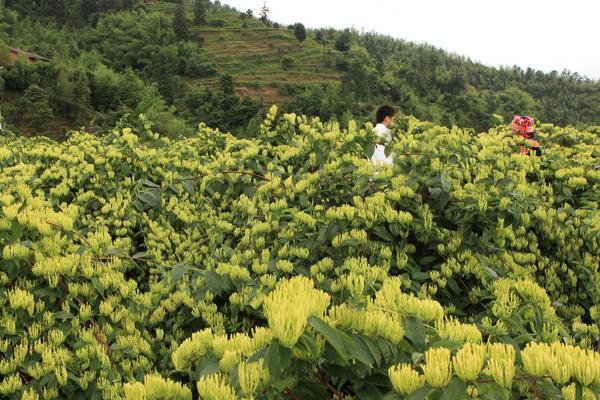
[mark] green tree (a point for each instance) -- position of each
(128, 4)
(199, 12)
(344, 41)
(74, 95)
(361, 73)
(87, 8)
(180, 23)
(513, 100)
(19, 76)
(55, 8)
(300, 32)
(35, 108)
(2, 85)
(264, 14)
(319, 36)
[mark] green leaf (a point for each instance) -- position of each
(427, 260)
(151, 198)
(207, 366)
(495, 392)
(310, 391)
(140, 256)
(112, 251)
(421, 394)
(189, 187)
(370, 149)
(393, 395)
(63, 315)
(308, 344)
(359, 350)
(374, 349)
(334, 337)
(369, 392)
(178, 271)
(414, 330)
(456, 390)
(151, 184)
(278, 358)
(389, 350)
(383, 233)
(448, 344)
(548, 389)
(578, 391)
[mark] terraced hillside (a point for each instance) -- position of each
(252, 53)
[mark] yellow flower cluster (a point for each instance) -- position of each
(21, 300)
(468, 361)
(370, 322)
(501, 363)
(405, 379)
(451, 329)
(290, 304)
(251, 376)
(156, 387)
(192, 349)
(438, 367)
(15, 252)
(215, 387)
(390, 298)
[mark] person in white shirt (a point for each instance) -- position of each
(384, 119)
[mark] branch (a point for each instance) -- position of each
(97, 258)
(516, 378)
(330, 387)
(25, 380)
(104, 258)
(232, 172)
(76, 298)
(79, 235)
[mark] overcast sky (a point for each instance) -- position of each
(542, 34)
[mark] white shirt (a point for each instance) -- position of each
(379, 156)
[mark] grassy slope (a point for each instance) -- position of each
(252, 55)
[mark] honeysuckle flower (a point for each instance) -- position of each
(468, 361)
(215, 387)
(438, 367)
(501, 363)
(405, 379)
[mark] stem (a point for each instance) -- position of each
(202, 176)
(79, 235)
(516, 378)
(104, 258)
(76, 298)
(98, 258)
(23, 377)
(536, 394)
(321, 377)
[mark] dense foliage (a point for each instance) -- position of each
(112, 57)
(287, 266)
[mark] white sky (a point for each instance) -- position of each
(546, 35)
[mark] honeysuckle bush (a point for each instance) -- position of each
(287, 266)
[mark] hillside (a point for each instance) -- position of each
(252, 55)
(115, 58)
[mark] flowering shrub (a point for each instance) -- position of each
(137, 266)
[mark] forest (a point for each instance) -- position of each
(116, 59)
